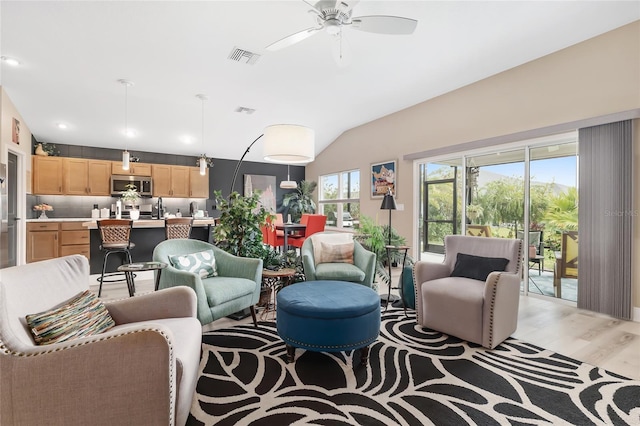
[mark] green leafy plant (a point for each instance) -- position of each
(238, 231)
(375, 238)
(300, 201)
(131, 195)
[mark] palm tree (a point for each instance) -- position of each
(301, 200)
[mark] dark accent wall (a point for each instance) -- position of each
(220, 175)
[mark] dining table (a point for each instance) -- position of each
(288, 229)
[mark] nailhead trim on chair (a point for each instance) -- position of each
(493, 304)
(172, 396)
(363, 343)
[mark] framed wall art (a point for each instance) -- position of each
(265, 185)
(383, 178)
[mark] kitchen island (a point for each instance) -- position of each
(146, 234)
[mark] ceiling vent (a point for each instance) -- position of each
(245, 110)
(244, 56)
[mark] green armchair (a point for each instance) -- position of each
(362, 271)
(236, 287)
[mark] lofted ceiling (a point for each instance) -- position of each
(73, 52)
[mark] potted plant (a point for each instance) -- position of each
(239, 229)
(300, 201)
(374, 238)
(131, 196)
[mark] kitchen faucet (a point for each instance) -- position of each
(160, 208)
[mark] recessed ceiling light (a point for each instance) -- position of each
(62, 126)
(187, 140)
(130, 133)
(10, 61)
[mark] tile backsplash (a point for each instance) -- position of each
(81, 206)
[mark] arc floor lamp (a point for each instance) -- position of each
(284, 144)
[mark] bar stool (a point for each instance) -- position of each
(115, 238)
(178, 227)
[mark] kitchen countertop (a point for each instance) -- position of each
(151, 223)
(140, 223)
(60, 219)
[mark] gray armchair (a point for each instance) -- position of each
(482, 311)
(143, 371)
(236, 287)
(362, 270)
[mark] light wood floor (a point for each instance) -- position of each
(593, 338)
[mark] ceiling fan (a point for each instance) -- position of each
(334, 15)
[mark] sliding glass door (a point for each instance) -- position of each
(528, 192)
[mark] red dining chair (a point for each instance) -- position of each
(315, 223)
(270, 234)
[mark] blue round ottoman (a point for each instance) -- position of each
(328, 316)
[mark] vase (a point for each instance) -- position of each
(43, 215)
(134, 214)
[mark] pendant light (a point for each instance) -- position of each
(203, 162)
(288, 184)
(127, 133)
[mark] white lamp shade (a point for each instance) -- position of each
(288, 184)
(203, 166)
(289, 144)
(125, 160)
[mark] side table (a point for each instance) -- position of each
(272, 282)
(390, 249)
(130, 268)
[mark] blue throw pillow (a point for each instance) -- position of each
(477, 267)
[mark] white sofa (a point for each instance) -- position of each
(143, 371)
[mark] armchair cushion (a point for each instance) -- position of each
(83, 315)
(339, 272)
(202, 263)
(335, 253)
(220, 290)
(477, 267)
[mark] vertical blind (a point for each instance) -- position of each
(605, 219)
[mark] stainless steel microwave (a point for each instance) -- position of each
(143, 184)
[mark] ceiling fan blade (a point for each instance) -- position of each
(293, 39)
(382, 24)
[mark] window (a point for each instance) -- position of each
(339, 198)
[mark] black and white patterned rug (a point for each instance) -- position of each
(415, 376)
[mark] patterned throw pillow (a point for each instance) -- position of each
(83, 315)
(336, 253)
(202, 263)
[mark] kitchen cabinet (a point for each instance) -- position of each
(42, 241)
(47, 175)
(198, 184)
(74, 239)
(86, 177)
(135, 169)
(47, 240)
(170, 181)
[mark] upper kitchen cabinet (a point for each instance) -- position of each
(135, 169)
(198, 184)
(86, 177)
(170, 181)
(47, 175)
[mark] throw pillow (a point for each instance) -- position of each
(477, 267)
(83, 315)
(335, 253)
(202, 263)
(328, 238)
